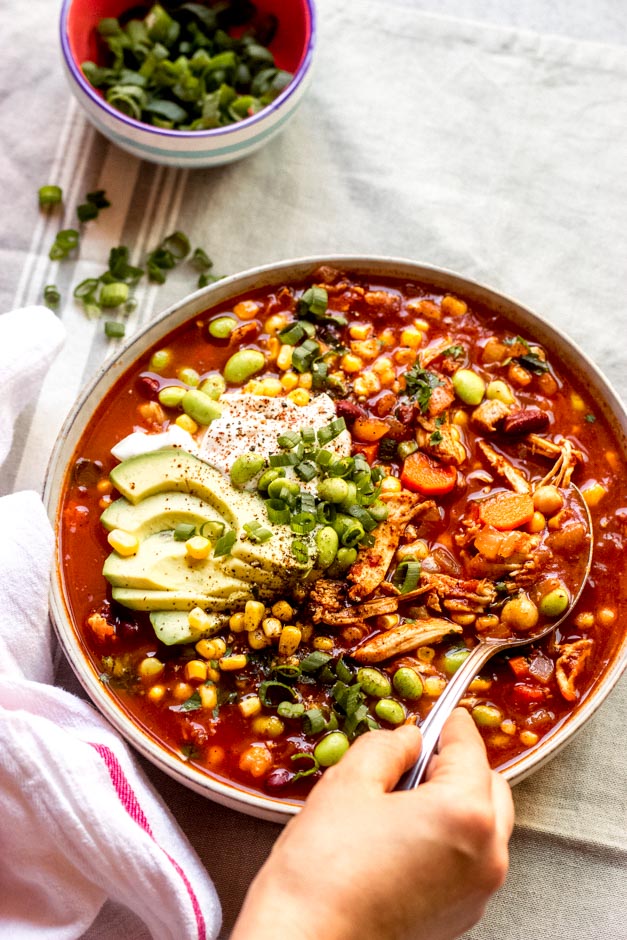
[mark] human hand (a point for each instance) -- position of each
(362, 861)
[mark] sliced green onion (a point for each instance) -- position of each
(65, 242)
(341, 468)
(52, 296)
(324, 458)
(114, 330)
(306, 470)
(314, 661)
(98, 198)
(407, 576)
(326, 512)
(257, 532)
(313, 302)
(352, 534)
(289, 440)
(272, 693)
(86, 289)
(308, 436)
(224, 544)
(343, 672)
(87, 211)
(330, 431)
(112, 295)
(177, 244)
(284, 460)
(183, 531)
(363, 516)
(201, 260)
(290, 710)
(302, 523)
(300, 551)
(278, 511)
(313, 721)
(212, 530)
(308, 771)
(50, 195)
(304, 355)
(292, 334)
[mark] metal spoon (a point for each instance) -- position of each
(486, 648)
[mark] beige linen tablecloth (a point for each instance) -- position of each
(497, 153)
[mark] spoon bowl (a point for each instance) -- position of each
(486, 648)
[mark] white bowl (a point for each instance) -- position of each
(185, 148)
(230, 794)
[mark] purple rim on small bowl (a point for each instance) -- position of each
(98, 100)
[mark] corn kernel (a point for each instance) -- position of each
(246, 309)
(150, 667)
(421, 325)
(236, 623)
(233, 662)
(453, 306)
(487, 622)
(283, 611)
(464, 620)
(576, 402)
(275, 323)
(368, 383)
(273, 345)
(257, 640)
(196, 670)
(187, 423)
(387, 338)
(434, 686)
(606, 616)
(198, 547)
(213, 674)
(181, 691)
(305, 380)
(405, 356)
(211, 649)
(411, 337)
(300, 396)
(199, 620)
(584, 620)
(123, 543)
(479, 684)
(323, 643)
(383, 364)
(352, 634)
(256, 760)
(306, 630)
(250, 706)
(208, 695)
(387, 621)
(351, 363)
(388, 379)
(508, 727)
(289, 640)
(155, 693)
(270, 386)
(536, 523)
(289, 381)
(425, 653)
(460, 418)
(284, 359)
(528, 738)
(366, 348)
(390, 485)
(594, 494)
(428, 309)
(104, 487)
(254, 612)
(272, 627)
(360, 330)
(268, 726)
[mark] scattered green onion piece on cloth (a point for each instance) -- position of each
(52, 297)
(50, 196)
(114, 330)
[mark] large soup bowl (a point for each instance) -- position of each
(523, 320)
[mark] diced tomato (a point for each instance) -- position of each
(527, 694)
(369, 451)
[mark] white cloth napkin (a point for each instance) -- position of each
(80, 824)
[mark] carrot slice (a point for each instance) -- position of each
(426, 476)
(506, 510)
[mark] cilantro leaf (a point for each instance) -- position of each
(419, 384)
(454, 352)
(436, 438)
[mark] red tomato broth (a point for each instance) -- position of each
(534, 706)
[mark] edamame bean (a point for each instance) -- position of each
(222, 327)
(346, 557)
(407, 683)
(331, 748)
(327, 543)
(160, 360)
(189, 376)
(468, 386)
(213, 386)
(388, 709)
(280, 485)
(487, 716)
(453, 659)
(501, 391)
(555, 602)
(200, 407)
(242, 365)
(245, 467)
(333, 490)
(374, 682)
(172, 395)
(269, 476)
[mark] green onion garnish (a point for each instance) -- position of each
(292, 334)
(212, 530)
(183, 531)
(224, 544)
(114, 330)
(304, 355)
(300, 551)
(313, 302)
(50, 195)
(112, 295)
(407, 576)
(272, 693)
(330, 431)
(65, 242)
(52, 296)
(363, 516)
(308, 771)
(290, 710)
(278, 511)
(289, 440)
(306, 470)
(301, 523)
(314, 661)
(313, 721)
(284, 460)
(257, 532)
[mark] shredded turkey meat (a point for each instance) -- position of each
(403, 638)
(441, 442)
(570, 665)
(488, 414)
(504, 468)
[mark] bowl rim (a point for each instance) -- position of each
(164, 132)
(221, 790)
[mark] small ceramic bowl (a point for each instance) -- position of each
(231, 794)
(293, 48)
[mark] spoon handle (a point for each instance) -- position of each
(435, 720)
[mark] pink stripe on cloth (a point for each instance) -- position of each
(132, 806)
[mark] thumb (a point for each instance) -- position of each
(375, 761)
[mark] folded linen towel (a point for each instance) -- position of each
(80, 823)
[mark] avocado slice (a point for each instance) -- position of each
(158, 513)
(173, 626)
(136, 599)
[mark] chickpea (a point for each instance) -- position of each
(548, 500)
(520, 613)
(606, 616)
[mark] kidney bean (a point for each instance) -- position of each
(526, 421)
